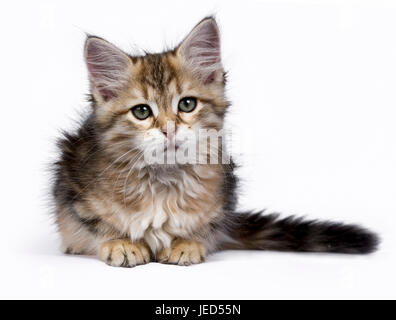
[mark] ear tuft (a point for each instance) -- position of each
(108, 67)
(201, 50)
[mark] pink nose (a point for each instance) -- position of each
(169, 134)
(168, 129)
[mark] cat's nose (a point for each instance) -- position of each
(168, 134)
(168, 130)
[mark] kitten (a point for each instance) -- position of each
(113, 201)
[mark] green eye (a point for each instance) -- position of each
(187, 104)
(141, 111)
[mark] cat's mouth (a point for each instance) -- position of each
(171, 154)
(173, 147)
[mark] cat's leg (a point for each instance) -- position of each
(183, 252)
(76, 238)
(92, 236)
(124, 253)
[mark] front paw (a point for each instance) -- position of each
(183, 253)
(124, 253)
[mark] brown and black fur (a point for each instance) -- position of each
(184, 211)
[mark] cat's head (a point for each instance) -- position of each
(159, 102)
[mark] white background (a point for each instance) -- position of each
(313, 85)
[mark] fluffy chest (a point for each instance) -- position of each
(158, 212)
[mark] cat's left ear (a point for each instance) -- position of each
(200, 51)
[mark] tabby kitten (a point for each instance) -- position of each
(112, 202)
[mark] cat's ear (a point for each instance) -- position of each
(109, 68)
(200, 50)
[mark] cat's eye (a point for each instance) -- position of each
(187, 104)
(141, 111)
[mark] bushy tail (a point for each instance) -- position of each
(268, 232)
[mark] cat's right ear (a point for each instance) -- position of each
(108, 67)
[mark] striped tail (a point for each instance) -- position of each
(267, 232)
